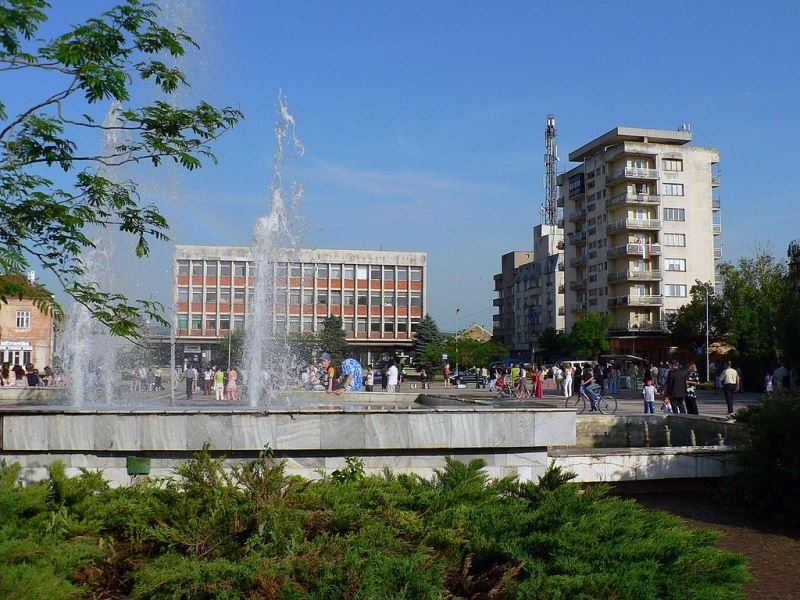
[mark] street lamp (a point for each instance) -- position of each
(707, 288)
(458, 372)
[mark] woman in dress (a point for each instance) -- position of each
(692, 381)
(568, 372)
(539, 385)
(232, 391)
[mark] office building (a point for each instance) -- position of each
(379, 295)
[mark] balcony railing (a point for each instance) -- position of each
(577, 307)
(579, 284)
(576, 236)
(628, 198)
(633, 224)
(577, 215)
(716, 228)
(643, 250)
(634, 275)
(632, 173)
(636, 300)
(717, 253)
(576, 261)
(715, 180)
(639, 326)
(716, 203)
(560, 245)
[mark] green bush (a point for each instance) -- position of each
(255, 532)
(767, 482)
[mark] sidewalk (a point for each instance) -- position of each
(709, 403)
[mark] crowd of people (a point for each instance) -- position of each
(28, 375)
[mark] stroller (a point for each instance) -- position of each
(503, 386)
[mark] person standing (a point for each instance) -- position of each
(649, 395)
(423, 378)
(391, 378)
(232, 389)
(633, 374)
(208, 375)
(190, 375)
(369, 378)
(675, 386)
(446, 373)
(328, 372)
(567, 371)
(219, 384)
(729, 378)
(692, 381)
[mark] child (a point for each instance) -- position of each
(649, 395)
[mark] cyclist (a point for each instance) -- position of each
(587, 379)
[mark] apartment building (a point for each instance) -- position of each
(379, 295)
(642, 224)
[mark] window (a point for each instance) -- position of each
(375, 273)
(211, 269)
(197, 296)
(674, 239)
(23, 319)
(294, 270)
(349, 298)
(322, 298)
(361, 326)
(416, 299)
(308, 271)
(336, 298)
(294, 324)
(308, 324)
(308, 296)
(239, 269)
(416, 273)
(225, 295)
(281, 270)
(294, 297)
(225, 322)
(388, 300)
(674, 214)
(238, 295)
(183, 267)
(211, 296)
(673, 290)
(361, 272)
(673, 189)
(388, 273)
(349, 272)
(197, 268)
(183, 321)
(388, 327)
(362, 299)
(375, 326)
(183, 294)
(197, 321)
(348, 327)
(211, 321)
(402, 273)
(674, 264)
(672, 164)
(322, 271)
(225, 269)
(375, 299)
(336, 271)
(402, 327)
(238, 322)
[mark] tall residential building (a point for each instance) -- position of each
(642, 224)
(380, 296)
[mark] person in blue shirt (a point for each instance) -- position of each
(352, 378)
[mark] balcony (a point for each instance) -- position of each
(576, 236)
(577, 261)
(635, 173)
(561, 289)
(638, 327)
(577, 307)
(561, 311)
(648, 224)
(636, 300)
(577, 215)
(643, 250)
(717, 253)
(716, 228)
(580, 284)
(715, 180)
(633, 199)
(716, 203)
(634, 275)
(561, 266)
(560, 245)
(560, 201)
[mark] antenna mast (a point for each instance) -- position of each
(550, 206)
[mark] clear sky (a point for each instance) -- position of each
(423, 122)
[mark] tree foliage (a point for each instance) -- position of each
(232, 345)
(588, 335)
(332, 338)
(552, 346)
(427, 335)
(48, 223)
(255, 532)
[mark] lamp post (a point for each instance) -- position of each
(457, 371)
(706, 287)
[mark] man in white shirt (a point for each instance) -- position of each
(391, 378)
(730, 381)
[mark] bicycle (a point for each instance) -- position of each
(605, 405)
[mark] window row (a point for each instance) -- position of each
(210, 322)
(305, 297)
(214, 268)
(23, 320)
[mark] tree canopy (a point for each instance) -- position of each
(588, 335)
(48, 224)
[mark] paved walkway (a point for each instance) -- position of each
(710, 403)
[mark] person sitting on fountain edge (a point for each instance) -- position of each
(351, 378)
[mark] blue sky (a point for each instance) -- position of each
(423, 122)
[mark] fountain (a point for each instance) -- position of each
(268, 358)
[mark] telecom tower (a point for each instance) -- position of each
(550, 207)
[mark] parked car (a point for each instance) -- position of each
(468, 378)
